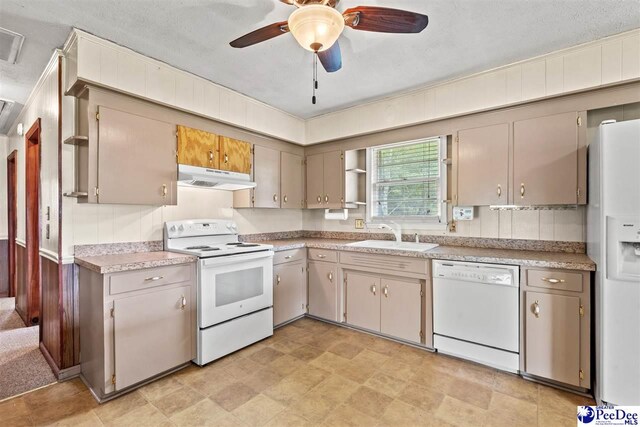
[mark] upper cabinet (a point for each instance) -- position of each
(532, 162)
(483, 165)
(279, 181)
(291, 180)
(197, 148)
(235, 155)
(545, 160)
(325, 180)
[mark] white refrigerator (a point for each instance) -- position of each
(613, 242)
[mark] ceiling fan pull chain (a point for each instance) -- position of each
(315, 77)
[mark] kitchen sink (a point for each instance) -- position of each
(391, 244)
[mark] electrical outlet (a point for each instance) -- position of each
(359, 223)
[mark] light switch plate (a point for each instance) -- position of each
(359, 223)
(463, 213)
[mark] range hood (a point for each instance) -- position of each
(194, 176)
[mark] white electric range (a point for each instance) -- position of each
(234, 282)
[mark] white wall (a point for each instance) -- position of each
(3, 186)
(93, 223)
(43, 104)
(561, 225)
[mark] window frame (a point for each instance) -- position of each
(417, 222)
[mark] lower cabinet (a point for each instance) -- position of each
(391, 306)
(289, 291)
(135, 325)
(556, 323)
(323, 290)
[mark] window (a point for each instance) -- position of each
(408, 181)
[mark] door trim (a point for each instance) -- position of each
(12, 220)
(32, 222)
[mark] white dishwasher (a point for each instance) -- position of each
(475, 312)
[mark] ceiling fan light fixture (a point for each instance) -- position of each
(316, 27)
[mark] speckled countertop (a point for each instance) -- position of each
(115, 263)
(569, 261)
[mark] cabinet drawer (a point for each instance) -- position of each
(553, 279)
(323, 255)
(149, 278)
(289, 256)
(385, 262)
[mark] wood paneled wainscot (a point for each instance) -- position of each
(556, 329)
(289, 286)
(128, 316)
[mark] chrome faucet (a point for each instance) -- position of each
(397, 230)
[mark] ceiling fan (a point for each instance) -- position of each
(317, 25)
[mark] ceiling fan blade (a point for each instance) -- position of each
(261, 34)
(385, 20)
(331, 58)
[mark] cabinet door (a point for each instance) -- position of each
(235, 155)
(267, 176)
(323, 290)
(152, 333)
(363, 301)
(545, 160)
(288, 292)
(197, 148)
(483, 165)
(291, 178)
(552, 337)
(400, 309)
(315, 181)
(136, 159)
(333, 180)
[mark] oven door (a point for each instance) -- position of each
(232, 286)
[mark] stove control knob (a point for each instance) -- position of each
(181, 228)
(173, 228)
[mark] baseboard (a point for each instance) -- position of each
(49, 359)
(60, 374)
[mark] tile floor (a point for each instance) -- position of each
(312, 373)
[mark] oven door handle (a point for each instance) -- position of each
(234, 259)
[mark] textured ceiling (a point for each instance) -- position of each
(463, 36)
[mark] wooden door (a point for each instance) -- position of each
(266, 173)
(315, 181)
(288, 292)
(32, 224)
(400, 309)
(291, 179)
(483, 165)
(323, 290)
(197, 148)
(152, 333)
(333, 180)
(552, 337)
(235, 155)
(545, 160)
(363, 301)
(12, 221)
(127, 141)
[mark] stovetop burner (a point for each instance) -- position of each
(243, 245)
(210, 249)
(194, 248)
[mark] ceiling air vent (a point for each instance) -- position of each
(9, 110)
(10, 45)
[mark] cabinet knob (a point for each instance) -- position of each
(326, 198)
(210, 156)
(536, 309)
(522, 190)
(285, 198)
(552, 280)
(499, 190)
(373, 289)
(385, 291)
(277, 279)
(153, 279)
(319, 199)
(321, 256)
(330, 276)
(183, 302)
(288, 257)
(226, 158)
(164, 190)
(275, 197)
